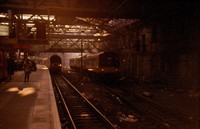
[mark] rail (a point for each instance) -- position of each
(82, 113)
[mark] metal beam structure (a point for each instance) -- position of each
(68, 23)
(75, 8)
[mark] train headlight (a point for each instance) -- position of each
(90, 69)
(60, 64)
(102, 70)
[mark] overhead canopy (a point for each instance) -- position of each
(69, 24)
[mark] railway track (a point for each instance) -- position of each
(81, 113)
(169, 118)
(151, 115)
(166, 116)
(120, 107)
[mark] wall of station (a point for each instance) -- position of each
(164, 51)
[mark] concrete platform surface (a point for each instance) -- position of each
(28, 105)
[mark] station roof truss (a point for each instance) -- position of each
(73, 25)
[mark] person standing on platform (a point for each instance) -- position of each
(27, 69)
(10, 66)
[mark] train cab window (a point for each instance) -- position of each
(111, 61)
(92, 62)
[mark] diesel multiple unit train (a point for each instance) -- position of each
(55, 64)
(100, 63)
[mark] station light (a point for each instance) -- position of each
(2, 15)
(90, 69)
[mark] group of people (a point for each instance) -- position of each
(28, 66)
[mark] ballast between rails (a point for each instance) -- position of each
(73, 117)
(91, 105)
(65, 105)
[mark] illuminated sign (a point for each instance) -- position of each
(4, 30)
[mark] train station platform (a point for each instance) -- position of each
(28, 105)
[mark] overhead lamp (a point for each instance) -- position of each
(97, 34)
(2, 15)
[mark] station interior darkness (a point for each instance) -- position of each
(157, 41)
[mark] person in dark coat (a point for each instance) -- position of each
(34, 67)
(10, 66)
(27, 69)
